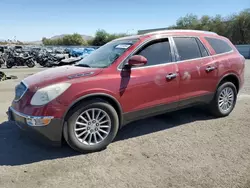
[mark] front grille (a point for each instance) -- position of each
(20, 91)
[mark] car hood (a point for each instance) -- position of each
(59, 74)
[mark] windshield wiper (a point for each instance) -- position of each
(83, 65)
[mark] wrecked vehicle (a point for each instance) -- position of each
(2, 76)
(19, 59)
(2, 59)
(129, 79)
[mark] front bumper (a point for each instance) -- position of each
(50, 132)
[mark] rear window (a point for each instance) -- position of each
(219, 46)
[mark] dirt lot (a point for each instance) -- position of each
(184, 149)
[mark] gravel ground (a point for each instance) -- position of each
(184, 149)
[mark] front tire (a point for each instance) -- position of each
(91, 126)
(224, 100)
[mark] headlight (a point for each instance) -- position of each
(47, 94)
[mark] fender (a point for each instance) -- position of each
(228, 74)
(97, 95)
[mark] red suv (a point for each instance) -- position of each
(129, 79)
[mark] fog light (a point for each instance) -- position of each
(38, 121)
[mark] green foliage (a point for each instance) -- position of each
(102, 37)
(241, 28)
(3, 43)
(235, 27)
(68, 40)
(16, 43)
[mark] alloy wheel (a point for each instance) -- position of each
(92, 126)
(226, 99)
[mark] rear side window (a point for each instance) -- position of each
(187, 48)
(156, 53)
(219, 46)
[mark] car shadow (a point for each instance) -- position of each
(162, 122)
(19, 149)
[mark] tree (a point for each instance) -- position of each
(241, 27)
(115, 36)
(189, 21)
(68, 40)
(235, 27)
(74, 39)
(101, 38)
(90, 42)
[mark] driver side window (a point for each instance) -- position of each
(156, 52)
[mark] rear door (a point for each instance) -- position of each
(152, 88)
(197, 70)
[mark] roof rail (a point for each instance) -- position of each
(180, 30)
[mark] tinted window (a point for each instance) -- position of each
(157, 53)
(219, 46)
(203, 50)
(187, 48)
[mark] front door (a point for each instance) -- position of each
(152, 88)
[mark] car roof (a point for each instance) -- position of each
(170, 32)
(181, 32)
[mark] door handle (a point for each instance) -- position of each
(210, 68)
(171, 76)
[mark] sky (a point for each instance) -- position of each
(30, 20)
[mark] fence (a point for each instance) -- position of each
(244, 50)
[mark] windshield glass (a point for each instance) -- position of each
(107, 54)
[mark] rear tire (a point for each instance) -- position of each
(94, 134)
(48, 64)
(1, 63)
(30, 63)
(224, 100)
(9, 66)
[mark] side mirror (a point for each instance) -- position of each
(137, 60)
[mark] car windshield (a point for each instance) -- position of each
(107, 54)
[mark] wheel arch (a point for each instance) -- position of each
(103, 96)
(232, 77)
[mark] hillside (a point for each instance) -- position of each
(86, 37)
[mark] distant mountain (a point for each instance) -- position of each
(39, 42)
(1, 40)
(86, 37)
